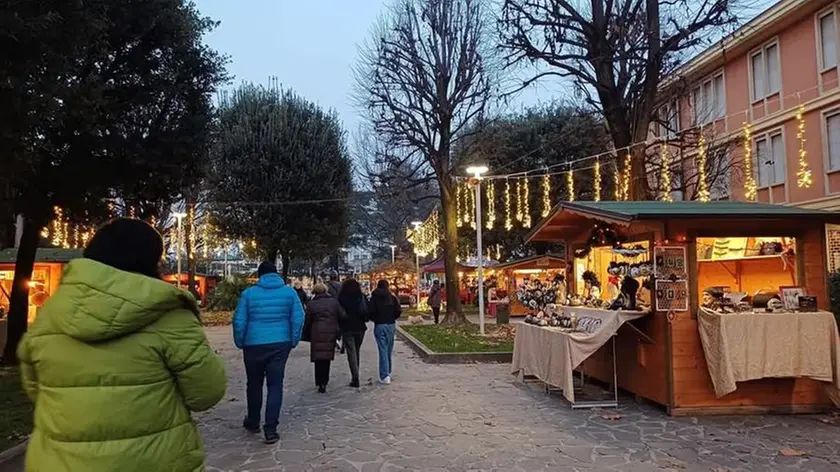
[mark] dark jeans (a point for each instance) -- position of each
(352, 343)
(265, 363)
(436, 312)
(322, 373)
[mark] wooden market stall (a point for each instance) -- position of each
(466, 275)
(46, 275)
(541, 267)
(714, 270)
(401, 276)
(204, 284)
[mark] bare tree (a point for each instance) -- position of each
(424, 79)
(616, 52)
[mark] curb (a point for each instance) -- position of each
(13, 452)
(432, 357)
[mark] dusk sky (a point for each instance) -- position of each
(312, 45)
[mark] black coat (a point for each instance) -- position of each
(304, 298)
(356, 307)
(384, 307)
(323, 314)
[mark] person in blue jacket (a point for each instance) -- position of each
(267, 324)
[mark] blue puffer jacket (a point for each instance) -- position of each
(267, 313)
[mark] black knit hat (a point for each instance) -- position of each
(266, 267)
(127, 244)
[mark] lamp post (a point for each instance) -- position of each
(179, 217)
(416, 225)
(476, 171)
(393, 254)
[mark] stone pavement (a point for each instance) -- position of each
(476, 417)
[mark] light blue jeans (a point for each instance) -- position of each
(384, 334)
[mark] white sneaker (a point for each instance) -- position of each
(385, 381)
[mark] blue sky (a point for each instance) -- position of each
(312, 45)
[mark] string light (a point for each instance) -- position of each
(546, 196)
(65, 235)
(750, 187)
(458, 205)
(56, 224)
(702, 184)
(665, 176)
(471, 196)
(153, 221)
(426, 237)
(508, 222)
(491, 204)
(570, 183)
(596, 178)
(526, 198)
(617, 181)
(498, 252)
(804, 173)
(625, 181)
(519, 213)
(191, 223)
(131, 212)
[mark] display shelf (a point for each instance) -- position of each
(747, 258)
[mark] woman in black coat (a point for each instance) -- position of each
(353, 327)
(323, 314)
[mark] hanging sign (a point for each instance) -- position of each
(671, 295)
(669, 263)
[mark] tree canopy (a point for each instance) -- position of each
(280, 174)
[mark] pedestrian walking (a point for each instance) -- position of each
(304, 298)
(333, 286)
(267, 325)
(434, 300)
(116, 361)
(384, 310)
(323, 315)
(353, 326)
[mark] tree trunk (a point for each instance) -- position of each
(454, 315)
(287, 261)
(190, 250)
(19, 303)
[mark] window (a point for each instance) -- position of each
(709, 100)
(828, 41)
(766, 73)
(832, 126)
(669, 120)
(770, 160)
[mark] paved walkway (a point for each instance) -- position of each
(475, 417)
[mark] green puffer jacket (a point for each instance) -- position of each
(114, 364)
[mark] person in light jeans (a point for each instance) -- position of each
(384, 310)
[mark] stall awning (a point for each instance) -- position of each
(437, 267)
(568, 217)
(545, 261)
(56, 255)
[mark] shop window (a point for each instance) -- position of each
(770, 160)
(765, 71)
(828, 40)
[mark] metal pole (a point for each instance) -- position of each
(179, 253)
(417, 261)
(480, 256)
(393, 255)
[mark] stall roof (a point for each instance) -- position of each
(627, 212)
(56, 255)
(544, 261)
(437, 266)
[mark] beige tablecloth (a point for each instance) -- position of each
(751, 346)
(551, 354)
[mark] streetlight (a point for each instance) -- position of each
(416, 225)
(476, 171)
(179, 217)
(393, 254)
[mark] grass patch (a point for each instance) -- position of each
(16, 416)
(464, 338)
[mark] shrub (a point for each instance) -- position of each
(226, 294)
(216, 318)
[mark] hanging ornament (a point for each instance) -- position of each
(570, 183)
(702, 184)
(804, 179)
(491, 203)
(508, 221)
(546, 195)
(459, 206)
(596, 180)
(750, 187)
(526, 203)
(665, 176)
(625, 178)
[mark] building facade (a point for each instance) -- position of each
(758, 90)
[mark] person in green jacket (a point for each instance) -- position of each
(116, 361)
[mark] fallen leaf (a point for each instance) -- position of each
(233, 399)
(611, 417)
(489, 423)
(792, 452)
